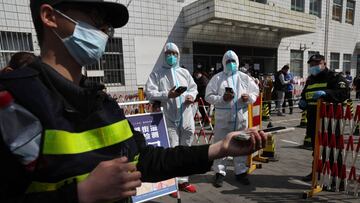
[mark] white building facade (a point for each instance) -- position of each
(266, 34)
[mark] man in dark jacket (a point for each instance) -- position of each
(75, 145)
(280, 87)
(322, 83)
(201, 81)
(289, 92)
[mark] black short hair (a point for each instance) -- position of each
(35, 14)
(285, 67)
(21, 59)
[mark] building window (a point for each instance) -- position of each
(347, 62)
(334, 61)
(297, 62)
(298, 5)
(260, 1)
(315, 7)
(12, 42)
(110, 68)
(337, 10)
(350, 11)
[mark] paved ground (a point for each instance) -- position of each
(275, 182)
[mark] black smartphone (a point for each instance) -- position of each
(244, 136)
(181, 89)
(229, 90)
(266, 130)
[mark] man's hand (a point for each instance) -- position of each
(228, 96)
(231, 147)
(172, 93)
(110, 180)
(189, 100)
(245, 98)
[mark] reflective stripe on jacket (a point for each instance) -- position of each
(75, 139)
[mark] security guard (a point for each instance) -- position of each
(72, 142)
(321, 83)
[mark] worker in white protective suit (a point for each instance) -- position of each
(230, 91)
(162, 86)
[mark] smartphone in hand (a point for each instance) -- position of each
(229, 90)
(244, 136)
(181, 89)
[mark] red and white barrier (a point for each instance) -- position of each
(333, 173)
(325, 176)
(208, 133)
(255, 114)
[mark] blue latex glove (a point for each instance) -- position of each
(318, 94)
(302, 104)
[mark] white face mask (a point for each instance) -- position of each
(314, 70)
(86, 45)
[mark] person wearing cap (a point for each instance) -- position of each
(230, 91)
(85, 150)
(321, 83)
(161, 86)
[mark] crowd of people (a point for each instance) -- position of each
(321, 83)
(69, 164)
(230, 91)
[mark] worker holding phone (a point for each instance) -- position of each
(230, 91)
(176, 90)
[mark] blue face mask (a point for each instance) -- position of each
(171, 60)
(314, 70)
(87, 44)
(231, 67)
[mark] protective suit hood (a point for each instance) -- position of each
(228, 56)
(171, 47)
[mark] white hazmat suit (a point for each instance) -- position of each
(179, 116)
(233, 115)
